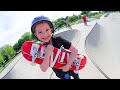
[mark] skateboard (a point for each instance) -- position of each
(34, 53)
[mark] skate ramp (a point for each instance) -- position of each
(72, 35)
(103, 46)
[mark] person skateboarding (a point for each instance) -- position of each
(43, 29)
(84, 19)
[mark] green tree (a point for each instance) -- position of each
(79, 16)
(20, 42)
(33, 37)
(16, 47)
(1, 59)
(71, 19)
(75, 17)
(9, 50)
(85, 13)
(2, 53)
(27, 36)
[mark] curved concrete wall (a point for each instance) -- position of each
(103, 45)
(70, 35)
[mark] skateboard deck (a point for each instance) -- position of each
(34, 53)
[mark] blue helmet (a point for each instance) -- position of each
(38, 19)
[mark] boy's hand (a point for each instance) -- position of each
(45, 64)
(49, 49)
(65, 68)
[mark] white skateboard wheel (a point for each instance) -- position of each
(33, 64)
(76, 71)
(81, 56)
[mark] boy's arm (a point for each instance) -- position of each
(45, 64)
(73, 55)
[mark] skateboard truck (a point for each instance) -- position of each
(77, 63)
(34, 53)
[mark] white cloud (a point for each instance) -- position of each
(13, 24)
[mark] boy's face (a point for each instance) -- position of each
(43, 32)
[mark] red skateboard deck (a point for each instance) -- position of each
(34, 53)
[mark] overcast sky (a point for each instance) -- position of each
(13, 24)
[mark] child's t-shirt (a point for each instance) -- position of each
(58, 42)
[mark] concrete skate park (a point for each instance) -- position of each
(99, 41)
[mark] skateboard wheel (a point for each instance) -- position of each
(76, 71)
(81, 56)
(33, 64)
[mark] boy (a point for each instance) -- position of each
(43, 29)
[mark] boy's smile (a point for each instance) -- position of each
(46, 38)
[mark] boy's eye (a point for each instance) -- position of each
(47, 29)
(39, 32)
